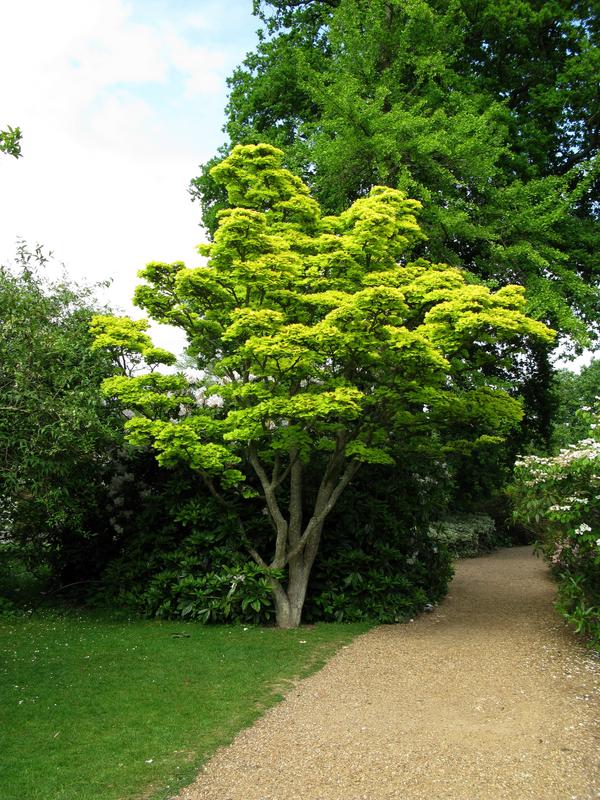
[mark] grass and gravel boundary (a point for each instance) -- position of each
(106, 709)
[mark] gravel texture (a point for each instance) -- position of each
(487, 698)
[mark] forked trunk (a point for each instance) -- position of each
(295, 547)
(289, 604)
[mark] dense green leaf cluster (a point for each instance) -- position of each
(10, 141)
(486, 112)
(58, 435)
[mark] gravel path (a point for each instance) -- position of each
(487, 698)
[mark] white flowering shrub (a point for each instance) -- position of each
(465, 535)
(559, 497)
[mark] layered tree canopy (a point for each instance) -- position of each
(322, 344)
(487, 112)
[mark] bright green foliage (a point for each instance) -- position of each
(10, 142)
(322, 343)
(125, 339)
(487, 112)
(559, 498)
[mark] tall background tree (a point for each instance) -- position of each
(487, 112)
(576, 395)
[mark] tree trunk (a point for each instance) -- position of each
(293, 547)
(289, 604)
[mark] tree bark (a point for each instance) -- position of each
(294, 547)
(290, 603)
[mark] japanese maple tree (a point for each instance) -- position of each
(321, 344)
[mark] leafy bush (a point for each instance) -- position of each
(57, 433)
(559, 498)
(233, 593)
(376, 561)
(379, 581)
(180, 554)
(466, 535)
(7, 608)
(20, 584)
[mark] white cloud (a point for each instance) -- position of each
(62, 57)
(202, 67)
(116, 114)
(60, 54)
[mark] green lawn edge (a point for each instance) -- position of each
(96, 707)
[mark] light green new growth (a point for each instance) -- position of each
(321, 343)
(126, 340)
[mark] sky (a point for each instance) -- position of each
(119, 102)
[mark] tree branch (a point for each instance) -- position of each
(295, 506)
(208, 482)
(279, 520)
(318, 518)
(277, 483)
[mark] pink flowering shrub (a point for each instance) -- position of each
(559, 497)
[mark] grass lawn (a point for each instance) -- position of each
(99, 709)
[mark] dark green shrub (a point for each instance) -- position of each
(20, 583)
(180, 554)
(236, 593)
(376, 560)
(58, 435)
(377, 582)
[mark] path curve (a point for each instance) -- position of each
(487, 698)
